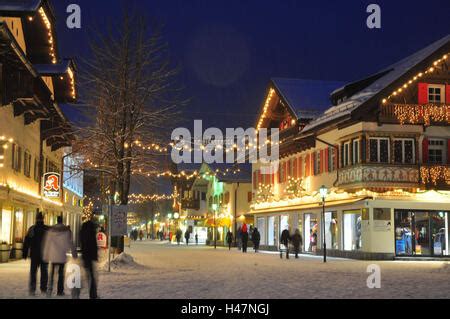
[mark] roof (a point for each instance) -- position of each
(20, 5)
(55, 69)
(306, 96)
(391, 74)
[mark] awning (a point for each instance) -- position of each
(308, 206)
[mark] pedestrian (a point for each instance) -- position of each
(239, 237)
(32, 246)
(186, 237)
(256, 238)
(297, 242)
(141, 235)
(178, 236)
(57, 242)
(196, 238)
(229, 239)
(89, 251)
(244, 238)
(284, 240)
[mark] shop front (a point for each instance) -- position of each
(421, 233)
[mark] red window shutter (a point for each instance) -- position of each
(425, 151)
(300, 172)
(288, 169)
(336, 157)
(273, 178)
(294, 167)
(313, 160)
(308, 165)
(327, 157)
(260, 178)
(422, 93)
(447, 94)
(279, 172)
(285, 172)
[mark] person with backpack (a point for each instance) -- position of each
(244, 238)
(297, 242)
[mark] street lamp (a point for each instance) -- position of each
(323, 194)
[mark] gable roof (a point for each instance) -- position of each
(305, 97)
(17, 6)
(383, 79)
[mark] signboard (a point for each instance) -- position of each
(51, 185)
(119, 220)
(101, 240)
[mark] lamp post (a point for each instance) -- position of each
(323, 194)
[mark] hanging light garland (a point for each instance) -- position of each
(50, 36)
(266, 107)
(435, 175)
(415, 113)
(88, 210)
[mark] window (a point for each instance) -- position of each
(27, 164)
(346, 154)
(379, 150)
(355, 152)
(331, 159)
(352, 230)
(16, 157)
(317, 163)
(435, 93)
(404, 151)
(203, 196)
(436, 151)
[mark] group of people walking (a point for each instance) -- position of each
(242, 238)
(187, 236)
(135, 234)
(46, 246)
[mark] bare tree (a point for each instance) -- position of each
(129, 84)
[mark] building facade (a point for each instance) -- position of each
(381, 149)
(34, 82)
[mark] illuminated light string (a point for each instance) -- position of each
(415, 113)
(415, 78)
(72, 82)
(50, 36)
(29, 193)
(136, 198)
(435, 175)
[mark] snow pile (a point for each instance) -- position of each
(122, 261)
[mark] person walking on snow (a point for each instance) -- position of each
(256, 238)
(178, 236)
(32, 247)
(297, 242)
(186, 237)
(58, 241)
(284, 240)
(196, 238)
(229, 239)
(89, 250)
(244, 238)
(239, 237)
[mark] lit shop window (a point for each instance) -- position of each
(352, 230)
(379, 150)
(436, 151)
(404, 151)
(331, 230)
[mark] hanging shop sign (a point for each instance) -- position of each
(51, 185)
(101, 240)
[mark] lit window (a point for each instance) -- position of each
(379, 150)
(436, 151)
(435, 93)
(404, 151)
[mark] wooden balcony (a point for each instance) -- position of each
(378, 176)
(416, 114)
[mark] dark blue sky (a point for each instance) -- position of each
(230, 49)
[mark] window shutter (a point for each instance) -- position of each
(13, 157)
(448, 151)
(322, 161)
(314, 168)
(363, 149)
(20, 159)
(327, 160)
(336, 158)
(294, 167)
(308, 165)
(288, 169)
(447, 94)
(273, 178)
(422, 93)
(249, 196)
(260, 180)
(279, 173)
(300, 164)
(425, 151)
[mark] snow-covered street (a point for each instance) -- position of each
(166, 271)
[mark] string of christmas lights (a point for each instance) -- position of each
(415, 114)
(435, 175)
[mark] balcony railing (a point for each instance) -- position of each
(426, 114)
(379, 175)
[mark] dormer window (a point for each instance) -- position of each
(436, 93)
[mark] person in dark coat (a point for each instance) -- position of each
(284, 240)
(186, 237)
(229, 239)
(32, 247)
(196, 238)
(178, 236)
(89, 251)
(297, 242)
(256, 238)
(244, 238)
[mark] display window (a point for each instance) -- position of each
(5, 226)
(18, 225)
(352, 230)
(331, 230)
(261, 225)
(421, 233)
(311, 229)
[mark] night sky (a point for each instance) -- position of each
(230, 49)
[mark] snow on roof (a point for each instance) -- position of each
(50, 69)
(396, 71)
(305, 96)
(20, 5)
